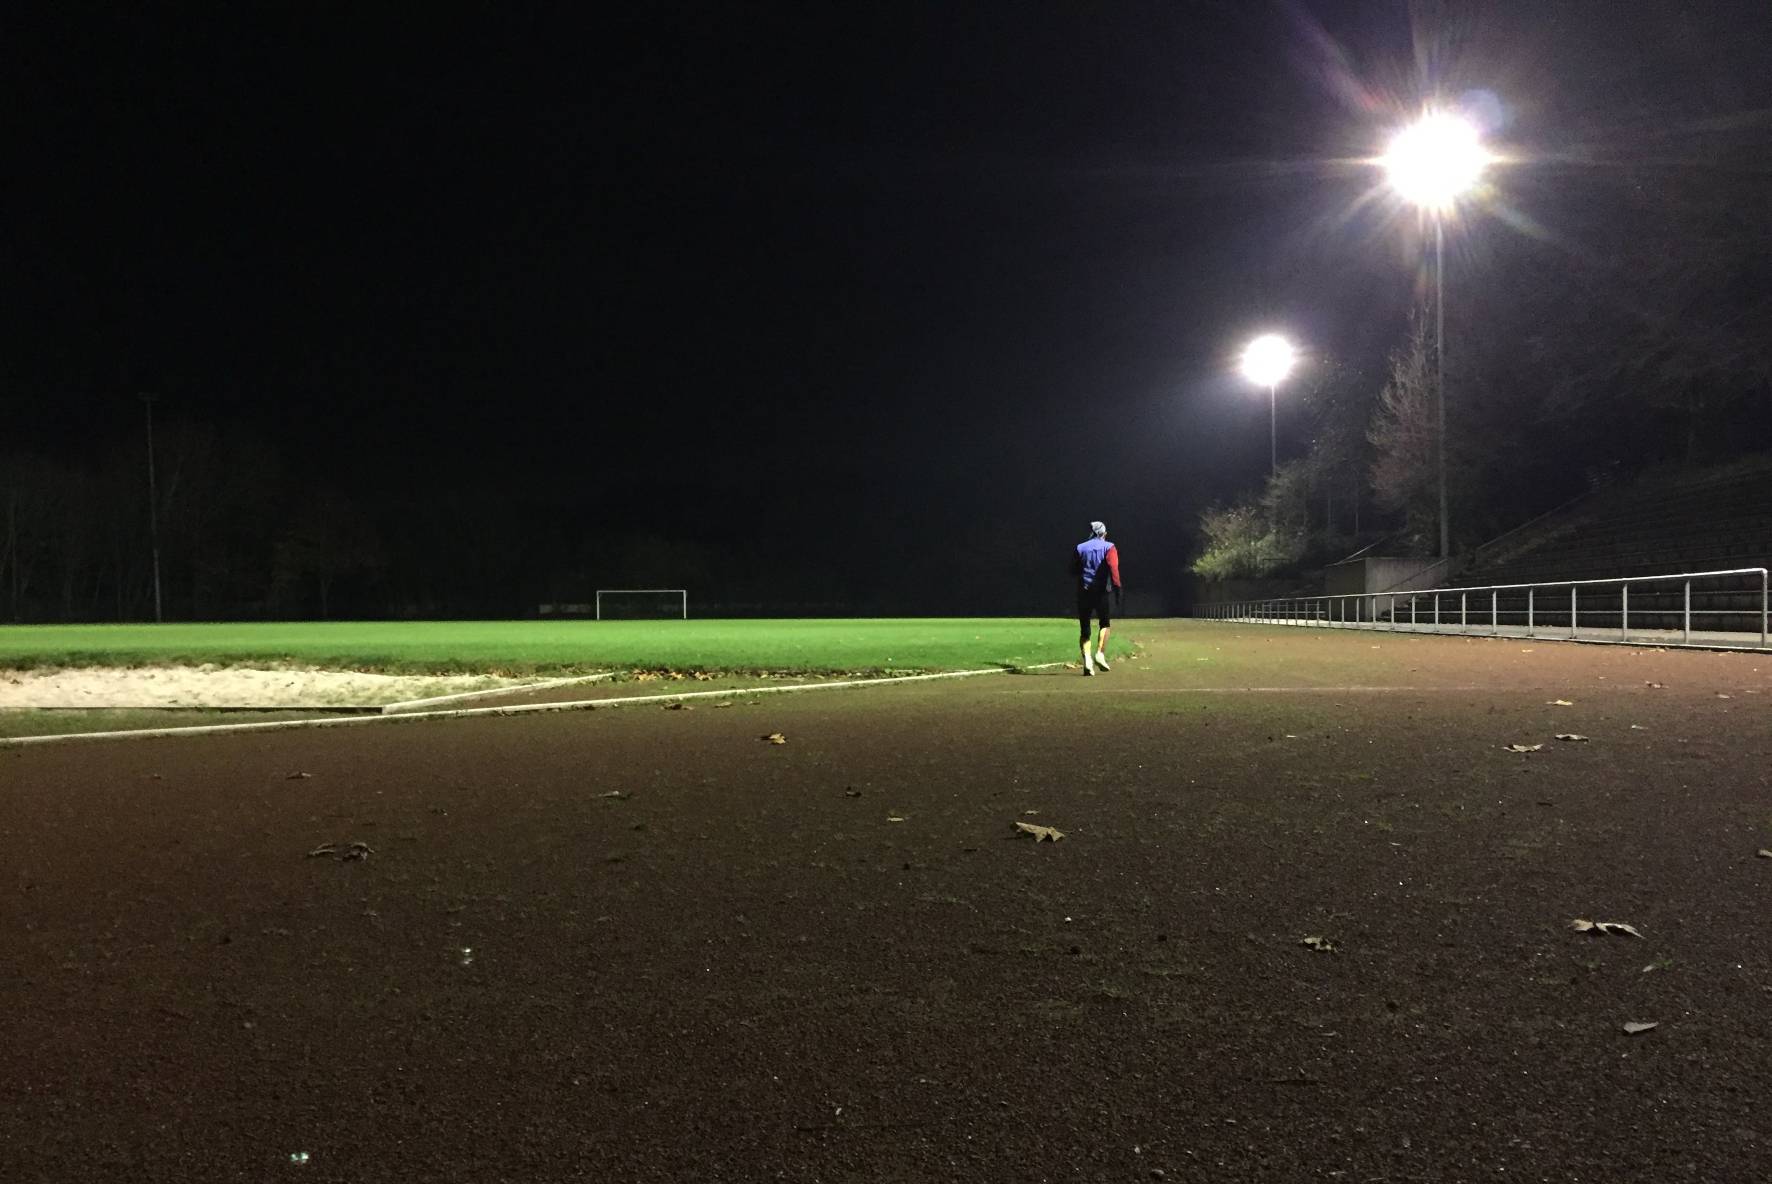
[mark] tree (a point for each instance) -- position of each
(1403, 434)
(329, 541)
(1241, 543)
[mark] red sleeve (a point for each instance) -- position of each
(1113, 562)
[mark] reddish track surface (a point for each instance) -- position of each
(742, 969)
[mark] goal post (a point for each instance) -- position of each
(643, 604)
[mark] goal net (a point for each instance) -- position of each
(641, 604)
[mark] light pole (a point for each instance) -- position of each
(1266, 362)
(1431, 164)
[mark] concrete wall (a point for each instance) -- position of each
(1388, 574)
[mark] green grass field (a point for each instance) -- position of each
(521, 647)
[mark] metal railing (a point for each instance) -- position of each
(1593, 610)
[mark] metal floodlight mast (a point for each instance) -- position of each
(1266, 362)
(1431, 164)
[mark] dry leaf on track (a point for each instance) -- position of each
(1559, 703)
(1570, 736)
(1635, 1026)
(1609, 928)
(1521, 747)
(774, 738)
(298, 777)
(1320, 944)
(1042, 834)
(614, 793)
(1763, 853)
(351, 851)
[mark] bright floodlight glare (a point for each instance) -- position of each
(1434, 160)
(1267, 360)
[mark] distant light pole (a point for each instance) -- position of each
(1431, 164)
(153, 507)
(1266, 362)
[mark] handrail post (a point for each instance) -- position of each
(1624, 614)
(1574, 632)
(1762, 608)
(1530, 594)
(1686, 613)
(1464, 612)
(1436, 609)
(1494, 617)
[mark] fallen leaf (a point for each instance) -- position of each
(774, 738)
(1657, 685)
(357, 851)
(852, 793)
(1638, 728)
(614, 793)
(1321, 944)
(1559, 703)
(1042, 834)
(1570, 736)
(323, 849)
(1521, 747)
(1635, 1026)
(1029, 813)
(1609, 928)
(298, 777)
(678, 707)
(1763, 853)
(1720, 695)
(893, 818)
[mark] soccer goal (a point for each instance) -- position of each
(642, 604)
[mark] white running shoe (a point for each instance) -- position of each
(1101, 659)
(1088, 669)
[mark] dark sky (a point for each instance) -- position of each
(880, 274)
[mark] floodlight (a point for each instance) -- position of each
(1267, 360)
(1434, 160)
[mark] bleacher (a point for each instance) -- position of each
(1660, 524)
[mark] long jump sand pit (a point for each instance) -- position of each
(1309, 920)
(157, 687)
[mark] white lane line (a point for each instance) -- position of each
(1261, 690)
(523, 688)
(523, 709)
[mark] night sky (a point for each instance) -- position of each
(901, 283)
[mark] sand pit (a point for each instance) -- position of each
(227, 686)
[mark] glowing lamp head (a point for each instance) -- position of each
(1434, 160)
(1267, 360)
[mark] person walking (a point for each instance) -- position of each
(1097, 568)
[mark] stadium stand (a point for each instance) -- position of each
(1661, 523)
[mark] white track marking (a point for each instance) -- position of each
(523, 709)
(1251, 690)
(417, 704)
